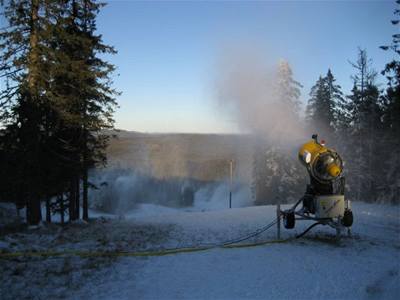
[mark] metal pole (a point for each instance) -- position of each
(230, 185)
(278, 224)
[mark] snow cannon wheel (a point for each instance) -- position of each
(347, 220)
(289, 220)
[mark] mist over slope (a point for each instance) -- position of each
(199, 156)
(174, 170)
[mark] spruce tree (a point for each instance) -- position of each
(57, 102)
(365, 130)
(319, 110)
(24, 99)
(274, 178)
(326, 107)
(391, 118)
(84, 96)
(287, 90)
(97, 96)
(280, 178)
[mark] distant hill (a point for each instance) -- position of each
(198, 156)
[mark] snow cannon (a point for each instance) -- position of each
(324, 199)
(323, 164)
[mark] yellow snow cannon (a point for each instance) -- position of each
(322, 163)
(324, 199)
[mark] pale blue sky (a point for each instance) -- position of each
(167, 51)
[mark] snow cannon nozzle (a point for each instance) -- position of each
(315, 137)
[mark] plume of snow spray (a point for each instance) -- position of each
(262, 98)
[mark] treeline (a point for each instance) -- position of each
(364, 126)
(56, 100)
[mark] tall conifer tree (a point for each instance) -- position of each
(365, 129)
(272, 169)
(325, 106)
(391, 117)
(58, 99)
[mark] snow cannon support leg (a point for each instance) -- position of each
(338, 234)
(338, 228)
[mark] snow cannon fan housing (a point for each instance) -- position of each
(325, 193)
(323, 164)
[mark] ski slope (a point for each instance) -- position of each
(366, 266)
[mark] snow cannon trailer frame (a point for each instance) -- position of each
(332, 210)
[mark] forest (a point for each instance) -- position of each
(363, 126)
(57, 103)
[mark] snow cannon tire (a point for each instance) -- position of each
(289, 220)
(347, 220)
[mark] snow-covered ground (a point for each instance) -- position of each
(314, 267)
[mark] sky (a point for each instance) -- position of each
(168, 52)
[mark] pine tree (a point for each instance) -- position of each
(82, 87)
(365, 130)
(316, 105)
(57, 102)
(24, 99)
(325, 108)
(274, 172)
(31, 118)
(97, 96)
(288, 90)
(281, 178)
(391, 118)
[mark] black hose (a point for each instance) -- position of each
(308, 229)
(296, 204)
(257, 232)
(232, 241)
